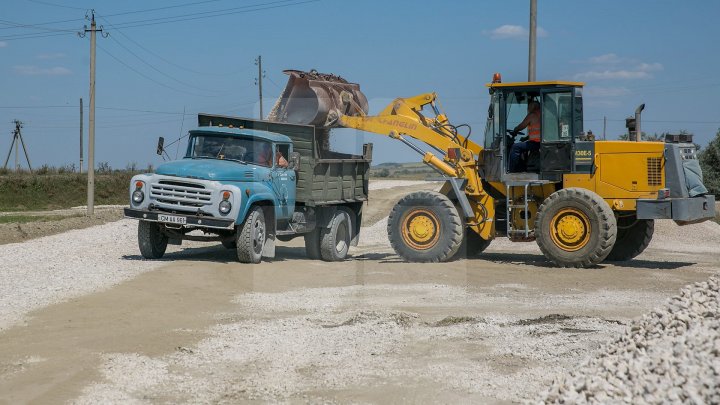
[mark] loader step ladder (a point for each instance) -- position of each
(512, 205)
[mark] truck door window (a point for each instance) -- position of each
(557, 117)
(281, 155)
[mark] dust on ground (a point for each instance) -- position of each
(201, 327)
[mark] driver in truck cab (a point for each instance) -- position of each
(265, 157)
(532, 123)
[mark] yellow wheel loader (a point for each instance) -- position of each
(582, 200)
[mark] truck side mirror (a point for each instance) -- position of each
(294, 161)
(160, 145)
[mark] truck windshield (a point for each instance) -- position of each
(224, 147)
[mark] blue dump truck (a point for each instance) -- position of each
(247, 183)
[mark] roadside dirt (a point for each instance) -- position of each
(71, 219)
(205, 328)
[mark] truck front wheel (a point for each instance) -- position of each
(152, 240)
(335, 240)
(251, 237)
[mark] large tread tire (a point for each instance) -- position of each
(472, 245)
(312, 244)
(152, 241)
(601, 223)
(449, 229)
(335, 239)
(634, 235)
(251, 236)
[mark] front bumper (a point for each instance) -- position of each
(192, 220)
(682, 210)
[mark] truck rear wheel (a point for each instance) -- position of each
(335, 239)
(425, 227)
(152, 241)
(251, 236)
(575, 228)
(634, 235)
(312, 244)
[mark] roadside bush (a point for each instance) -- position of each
(710, 163)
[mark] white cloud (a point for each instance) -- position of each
(3, 44)
(30, 70)
(514, 32)
(56, 55)
(608, 58)
(596, 91)
(621, 68)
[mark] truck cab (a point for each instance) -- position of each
(238, 184)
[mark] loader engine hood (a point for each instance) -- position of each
(319, 99)
(211, 169)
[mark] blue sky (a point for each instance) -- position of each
(151, 70)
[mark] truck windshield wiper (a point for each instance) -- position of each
(217, 158)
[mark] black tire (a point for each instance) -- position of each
(570, 213)
(335, 239)
(472, 245)
(152, 241)
(312, 244)
(229, 244)
(251, 236)
(439, 223)
(634, 235)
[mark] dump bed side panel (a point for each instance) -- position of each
(324, 177)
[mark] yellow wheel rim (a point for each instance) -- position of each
(570, 229)
(420, 229)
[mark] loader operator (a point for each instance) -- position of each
(532, 123)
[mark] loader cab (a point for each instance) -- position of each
(561, 126)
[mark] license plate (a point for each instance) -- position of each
(172, 219)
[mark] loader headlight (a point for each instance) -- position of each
(224, 207)
(138, 196)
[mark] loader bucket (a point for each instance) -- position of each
(318, 99)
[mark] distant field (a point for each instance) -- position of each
(34, 192)
(407, 171)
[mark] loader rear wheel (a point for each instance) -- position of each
(575, 227)
(425, 227)
(634, 235)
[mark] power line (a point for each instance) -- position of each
(155, 54)
(47, 3)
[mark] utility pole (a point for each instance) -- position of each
(533, 40)
(17, 141)
(604, 127)
(91, 119)
(258, 81)
(81, 136)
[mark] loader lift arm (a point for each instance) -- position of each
(459, 160)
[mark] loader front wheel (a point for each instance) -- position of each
(575, 227)
(634, 235)
(425, 227)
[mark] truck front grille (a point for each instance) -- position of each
(181, 194)
(654, 171)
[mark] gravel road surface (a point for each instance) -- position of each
(85, 320)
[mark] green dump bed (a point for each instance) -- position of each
(325, 177)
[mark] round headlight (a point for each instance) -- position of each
(225, 207)
(138, 196)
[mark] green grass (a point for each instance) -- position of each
(23, 219)
(36, 192)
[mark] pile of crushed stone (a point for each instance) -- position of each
(671, 354)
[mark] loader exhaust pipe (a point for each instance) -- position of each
(638, 130)
(319, 99)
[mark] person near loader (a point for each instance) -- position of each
(532, 123)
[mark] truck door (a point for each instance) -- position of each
(558, 129)
(283, 182)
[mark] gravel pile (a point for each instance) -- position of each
(671, 354)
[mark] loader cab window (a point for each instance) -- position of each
(557, 117)
(516, 107)
(492, 126)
